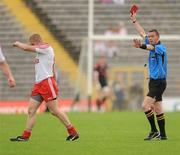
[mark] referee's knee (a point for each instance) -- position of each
(145, 106)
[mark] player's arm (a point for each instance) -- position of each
(6, 70)
(24, 46)
(137, 26)
(138, 44)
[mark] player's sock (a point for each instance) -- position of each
(73, 135)
(71, 130)
(26, 134)
(161, 123)
(150, 116)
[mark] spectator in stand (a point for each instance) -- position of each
(118, 88)
(106, 1)
(111, 46)
(119, 2)
(100, 48)
(121, 29)
(111, 49)
(112, 30)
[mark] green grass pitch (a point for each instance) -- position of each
(113, 133)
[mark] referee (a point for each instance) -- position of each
(157, 65)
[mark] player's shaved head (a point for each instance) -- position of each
(35, 39)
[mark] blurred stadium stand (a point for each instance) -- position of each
(67, 20)
(21, 63)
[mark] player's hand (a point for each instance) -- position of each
(137, 43)
(133, 17)
(11, 82)
(15, 44)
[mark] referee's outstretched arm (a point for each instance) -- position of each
(141, 31)
(138, 44)
(138, 27)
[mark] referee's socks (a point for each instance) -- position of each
(161, 123)
(150, 116)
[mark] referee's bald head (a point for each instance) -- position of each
(154, 30)
(153, 36)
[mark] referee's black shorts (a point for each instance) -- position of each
(156, 88)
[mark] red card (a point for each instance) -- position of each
(134, 9)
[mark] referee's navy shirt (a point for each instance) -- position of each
(157, 61)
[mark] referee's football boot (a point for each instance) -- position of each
(152, 135)
(72, 137)
(159, 137)
(19, 139)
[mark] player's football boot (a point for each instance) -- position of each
(159, 137)
(19, 139)
(72, 137)
(152, 135)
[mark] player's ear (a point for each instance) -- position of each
(30, 43)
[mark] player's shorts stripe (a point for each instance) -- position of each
(52, 88)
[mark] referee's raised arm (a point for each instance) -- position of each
(138, 27)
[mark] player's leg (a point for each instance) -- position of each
(159, 110)
(103, 94)
(161, 120)
(148, 107)
(106, 94)
(53, 108)
(49, 93)
(99, 101)
(33, 106)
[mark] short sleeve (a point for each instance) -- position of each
(160, 49)
(39, 50)
(42, 48)
(146, 40)
(2, 58)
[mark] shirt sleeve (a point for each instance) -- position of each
(40, 50)
(146, 41)
(2, 58)
(160, 49)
